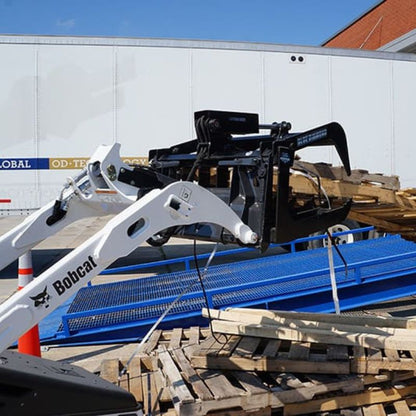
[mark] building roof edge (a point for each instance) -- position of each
(353, 21)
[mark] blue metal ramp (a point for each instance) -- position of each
(378, 270)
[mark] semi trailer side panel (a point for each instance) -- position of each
(61, 97)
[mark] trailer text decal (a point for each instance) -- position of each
(46, 163)
(24, 163)
(73, 276)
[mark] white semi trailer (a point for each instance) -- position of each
(61, 97)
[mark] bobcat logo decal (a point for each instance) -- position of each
(42, 298)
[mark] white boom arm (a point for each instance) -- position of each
(92, 193)
(181, 203)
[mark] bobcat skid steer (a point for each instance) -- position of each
(230, 184)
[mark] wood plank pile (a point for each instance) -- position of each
(259, 362)
(377, 199)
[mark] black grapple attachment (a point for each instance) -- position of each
(291, 223)
(251, 173)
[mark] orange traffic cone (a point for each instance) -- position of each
(29, 342)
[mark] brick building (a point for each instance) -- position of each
(389, 25)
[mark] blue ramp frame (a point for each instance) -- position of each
(378, 270)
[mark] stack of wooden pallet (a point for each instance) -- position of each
(377, 198)
(259, 362)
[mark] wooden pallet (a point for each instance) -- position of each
(183, 372)
(322, 343)
(295, 356)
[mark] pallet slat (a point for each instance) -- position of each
(177, 384)
(191, 376)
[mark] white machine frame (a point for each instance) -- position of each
(96, 192)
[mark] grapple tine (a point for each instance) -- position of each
(331, 134)
(338, 138)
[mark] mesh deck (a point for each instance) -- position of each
(251, 282)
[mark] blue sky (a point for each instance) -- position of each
(301, 22)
